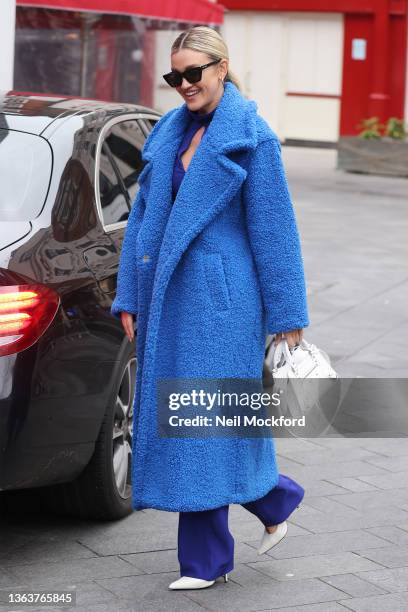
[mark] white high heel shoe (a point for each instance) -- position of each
(186, 582)
(271, 539)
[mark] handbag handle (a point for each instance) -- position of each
(283, 349)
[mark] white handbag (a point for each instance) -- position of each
(294, 371)
(302, 361)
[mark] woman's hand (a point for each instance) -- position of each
(293, 337)
(127, 319)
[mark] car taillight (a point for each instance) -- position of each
(25, 313)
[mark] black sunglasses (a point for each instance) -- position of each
(192, 75)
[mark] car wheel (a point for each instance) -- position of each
(103, 490)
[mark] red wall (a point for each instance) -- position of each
(398, 65)
(357, 74)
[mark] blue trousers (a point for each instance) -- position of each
(205, 544)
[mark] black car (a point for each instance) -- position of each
(68, 177)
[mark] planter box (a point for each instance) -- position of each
(386, 156)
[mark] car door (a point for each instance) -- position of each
(119, 163)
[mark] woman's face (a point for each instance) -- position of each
(209, 90)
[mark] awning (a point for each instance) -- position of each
(193, 11)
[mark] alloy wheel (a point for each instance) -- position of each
(123, 430)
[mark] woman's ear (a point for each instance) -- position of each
(223, 69)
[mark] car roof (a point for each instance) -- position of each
(17, 109)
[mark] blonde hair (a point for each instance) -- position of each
(209, 41)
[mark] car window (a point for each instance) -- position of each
(114, 201)
(125, 140)
(120, 165)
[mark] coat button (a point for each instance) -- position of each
(146, 258)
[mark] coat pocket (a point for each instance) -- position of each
(216, 281)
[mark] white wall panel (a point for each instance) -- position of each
(311, 118)
(315, 48)
(279, 52)
(255, 45)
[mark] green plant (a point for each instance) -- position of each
(395, 128)
(371, 128)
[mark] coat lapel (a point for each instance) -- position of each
(210, 183)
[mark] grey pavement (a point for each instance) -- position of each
(346, 547)
(347, 543)
(354, 230)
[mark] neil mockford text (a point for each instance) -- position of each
(236, 421)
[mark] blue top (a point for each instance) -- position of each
(197, 120)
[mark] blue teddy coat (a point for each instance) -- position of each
(208, 278)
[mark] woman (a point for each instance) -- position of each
(210, 263)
